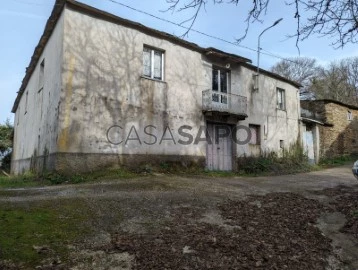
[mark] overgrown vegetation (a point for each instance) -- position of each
(337, 161)
(6, 140)
(54, 178)
(291, 160)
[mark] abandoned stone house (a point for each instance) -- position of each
(330, 128)
(102, 91)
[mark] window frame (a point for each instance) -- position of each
(349, 116)
(282, 93)
(258, 134)
(218, 95)
(26, 101)
(152, 53)
(228, 74)
(282, 144)
(41, 82)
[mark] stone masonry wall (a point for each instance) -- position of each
(339, 136)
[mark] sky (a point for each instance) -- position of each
(22, 23)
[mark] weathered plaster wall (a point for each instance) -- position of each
(103, 86)
(275, 124)
(93, 81)
(35, 123)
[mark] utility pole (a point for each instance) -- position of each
(258, 52)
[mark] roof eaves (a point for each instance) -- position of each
(273, 75)
(50, 25)
(353, 107)
(74, 5)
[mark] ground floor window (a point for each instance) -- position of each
(255, 134)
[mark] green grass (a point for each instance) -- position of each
(32, 180)
(26, 180)
(338, 161)
(218, 173)
(270, 164)
(51, 224)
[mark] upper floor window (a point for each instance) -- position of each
(153, 63)
(220, 84)
(42, 75)
(281, 99)
(349, 116)
(26, 101)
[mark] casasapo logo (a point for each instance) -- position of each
(184, 135)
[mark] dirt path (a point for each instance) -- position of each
(179, 221)
(236, 186)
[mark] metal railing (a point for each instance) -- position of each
(215, 101)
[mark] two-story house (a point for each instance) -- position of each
(102, 90)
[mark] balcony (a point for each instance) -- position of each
(224, 103)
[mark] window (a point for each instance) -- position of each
(282, 144)
(255, 134)
(18, 115)
(349, 116)
(281, 99)
(41, 75)
(220, 84)
(153, 63)
(26, 101)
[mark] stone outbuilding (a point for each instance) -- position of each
(334, 127)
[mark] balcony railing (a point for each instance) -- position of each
(214, 101)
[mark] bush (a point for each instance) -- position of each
(6, 162)
(292, 160)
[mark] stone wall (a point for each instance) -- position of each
(339, 136)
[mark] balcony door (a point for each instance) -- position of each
(220, 87)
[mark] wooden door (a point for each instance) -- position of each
(219, 152)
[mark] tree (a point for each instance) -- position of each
(6, 131)
(339, 81)
(300, 69)
(6, 140)
(333, 18)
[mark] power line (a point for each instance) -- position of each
(200, 32)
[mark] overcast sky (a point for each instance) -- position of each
(22, 23)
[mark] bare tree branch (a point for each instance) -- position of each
(337, 19)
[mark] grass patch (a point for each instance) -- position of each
(337, 161)
(218, 173)
(291, 161)
(50, 224)
(25, 180)
(106, 174)
(33, 180)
